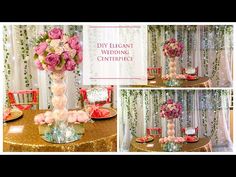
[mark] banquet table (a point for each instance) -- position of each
(203, 145)
(100, 136)
(200, 82)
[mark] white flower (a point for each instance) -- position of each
(41, 58)
(65, 39)
(44, 66)
(55, 43)
(58, 50)
(72, 53)
(66, 47)
(48, 41)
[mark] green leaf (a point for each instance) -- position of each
(35, 56)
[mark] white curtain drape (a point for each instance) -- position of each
(206, 109)
(20, 72)
(208, 47)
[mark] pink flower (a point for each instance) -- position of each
(65, 55)
(39, 119)
(70, 65)
(161, 140)
(176, 140)
(82, 116)
(74, 42)
(72, 117)
(52, 60)
(80, 56)
(170, 101)
(49, 120)
(40, 49)
(55, 33)
(38, 64)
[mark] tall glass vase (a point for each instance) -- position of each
(172, 68)
(171, 146)
(172, 73)
(170, 130)
(61, 130)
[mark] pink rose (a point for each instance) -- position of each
(70, 65)
(38, 64)
(80, 56)
(55, 33)
(165, 140)
(40, 49)
(52, 60)
(49, 120)
(169, 101)
(74, 42)
(66, 55)
(82, 116)
(161, 140)
(71, 117)
(39, 119)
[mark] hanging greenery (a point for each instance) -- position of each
(7, 65)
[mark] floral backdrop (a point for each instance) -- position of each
(209, 110)
(210, 47)
(19, 68)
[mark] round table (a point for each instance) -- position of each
(203, 145)
(100, 136)
(200, 82)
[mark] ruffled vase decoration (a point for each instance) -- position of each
(172, 49)
(170, 111)
(57, 53)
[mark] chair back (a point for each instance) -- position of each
(98, 96)
(24, 99)
(154, 71)
(153, 131)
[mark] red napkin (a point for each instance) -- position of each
(190, 138)
(100, 113)
(190, 77)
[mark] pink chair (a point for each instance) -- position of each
(154, 71)
(24, 99)
(153, 131)
(184, 71)
(85, 99)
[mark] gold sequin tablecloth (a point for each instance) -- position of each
(100, 136)
(158, 82)
(203, 145)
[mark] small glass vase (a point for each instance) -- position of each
(172, 83)
(61, 132)
(171, 147)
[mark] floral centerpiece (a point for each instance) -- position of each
(56, 53)
(173, 49)
(171, 110)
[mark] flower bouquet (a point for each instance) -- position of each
(171, 110)
(56, 53)
(172, 49)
